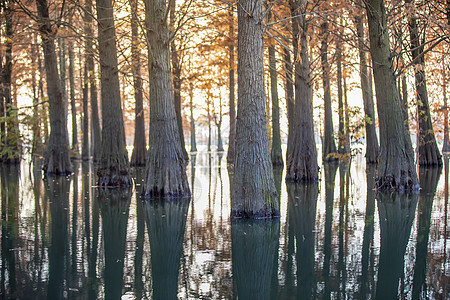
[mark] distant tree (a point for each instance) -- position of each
(396, 169)
(57, 160)
(253, 191)
(114, 164)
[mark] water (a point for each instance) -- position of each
(65, 238)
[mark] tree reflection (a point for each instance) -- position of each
(140, 236)
(428, 180)
(396, 213)
(114, 209)
(254, 246)
(166, 223)
(57, 190)
(302, 217)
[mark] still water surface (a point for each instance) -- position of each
(338, 239)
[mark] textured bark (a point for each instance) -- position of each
(289, 91)
(2, 111)
(254, 252)
(166, 170)
(140, 145)
(404, 102)
(191, 107)
(328, 146)
(114, 165)
(396, 212)
(231, 89)
(96, 138)
(253, 192)
(166, 224)
(344, 143)
(37, 142)
(12, 155)
(276, 154)
(372, 147)
(302, 153)
(446, 145)
(85, 126)
(57, 159)
(114, 209)
(396, 169)
(75, 147)
(429, 154)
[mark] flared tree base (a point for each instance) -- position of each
(114, 177)
(57, 163)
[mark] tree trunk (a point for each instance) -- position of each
(404, 101)
(289, 91)
(191, 106)
(57, 160)
(75, 147)
(36, 143)
(429, 154)
(302, 152)
(166, 170)
(276, 154)
(85, 147)
(114, 165)
(446, 146)
(396, 169)
(231, 88)
(96, 138)
(12, 155)
(328, 146)
(140, 144)
(208, 110)
(372, 148)
(2, 112)
(253, 191)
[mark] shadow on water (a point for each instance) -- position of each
(114, 208)
(166, 224)
(396, 212)
(254, 256)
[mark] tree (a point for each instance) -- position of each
(140, 146)
(301, 152)
(428, 151)
(166, 170)
(253, 191)
(396, 170)
(57, 160)
(329, 146)
(372, 148)
(114, 165)
(231, 84)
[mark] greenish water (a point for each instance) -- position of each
(65, 238)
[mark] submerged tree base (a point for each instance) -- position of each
(114, 177)
(405, 182)
(57, 163)
(267, 213)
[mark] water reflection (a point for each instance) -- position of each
(65, 238)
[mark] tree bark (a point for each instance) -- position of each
(166, 170)
(253, 191)
(396, 169)
(191, 106)
(96, 138)
(372, 147)
(11, 143)
(140, 144)
(57, 160)
(114, 165)
(429, 154)
(329, 146)
(2, 112)
(289, 91)
(231, 88)
(85, 126)
(75, 147)
(446, 145)
(276, 153)
(302, 152)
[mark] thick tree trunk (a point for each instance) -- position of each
(36, 143)
(12, 155)
(114, 165)
(140, 144)
(372, 148)
(396, 169)
(2, 112)
(75, 147)
(302, 153)
(404, 102)
(344, 143)
(57, 160)
(429, 154)
(85, 126)
(96, 138)
(231, 89)
(253, 192)
(166, 170)
(191, 106)
(329, 146)
(276, 154)
(289, 91)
